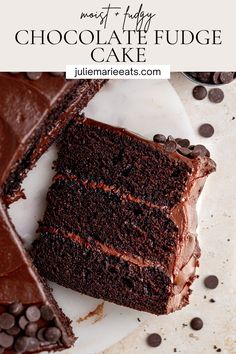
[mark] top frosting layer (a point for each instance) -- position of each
(24, 103)
(15, 269)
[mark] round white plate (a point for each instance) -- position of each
(143, 106)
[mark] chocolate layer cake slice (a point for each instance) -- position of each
(120, 222)
(30, 320)
(34, 108)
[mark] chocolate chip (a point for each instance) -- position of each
(23, 322)
(184, 151)
(52, 334)
(16, 308)
(170, 146)
(159, 138)
(47, 313)
(34, 75)
(196, 323)
(21, 344)
(226, 77)
(154, 340)
(216, 95)
(211, 282)
(31, 329)
(7, 320)
(206, 130)
(32, 344)
(199, 92)
(40, 334)
(33, 313)
(14, 331)
(6, 340)
(199, 150)
(183, 142)
(204, 76)
(216, 78)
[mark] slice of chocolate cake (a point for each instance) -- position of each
(34, 108)
(30, 320)
(120, 222)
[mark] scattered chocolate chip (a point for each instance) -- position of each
(34, 75)
(16, 308)
(14, 331)
(226, 77)
(206, 130)
(154, 340)
(204, 76)
(40, 334)
(211, 282)
(170, 146)
(23, 322)
(212, 300)
(6, 340)
(21, 344)
(196, 323)
(52, 334)
(7, 320)
(216, 78)
(159, 138)
(199, 92)
(31, 329)
(33, 313)
(33, 344)
(47, 313)
(216, 95)
(183, 142)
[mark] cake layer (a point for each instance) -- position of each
(106, 216)
(33, 113)
(82, 266)
(100, 153)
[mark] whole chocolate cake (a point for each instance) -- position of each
(120, 222)
(34, 109)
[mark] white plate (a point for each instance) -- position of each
(143, 106)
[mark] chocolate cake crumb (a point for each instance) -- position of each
(212, 300)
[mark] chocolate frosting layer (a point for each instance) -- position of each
(24, 104)
(16, 274)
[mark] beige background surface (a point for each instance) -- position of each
(217, 226)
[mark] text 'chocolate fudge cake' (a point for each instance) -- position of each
(120, 222)
(34, 109)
